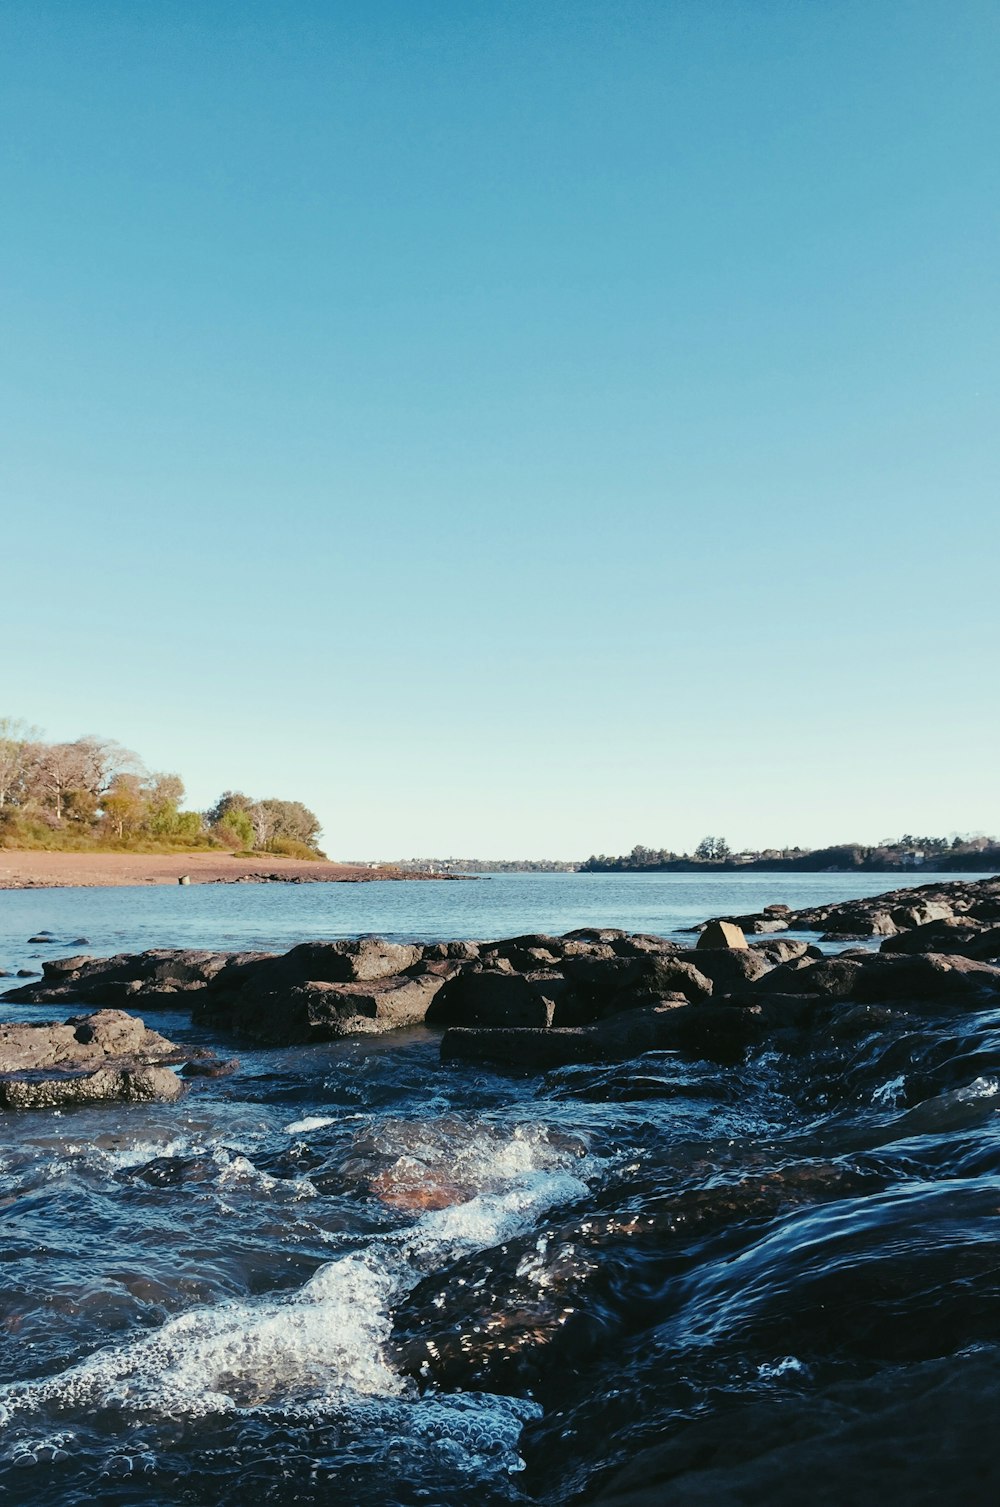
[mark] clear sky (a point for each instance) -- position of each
(523, 428)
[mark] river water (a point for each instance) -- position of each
(348, 1275)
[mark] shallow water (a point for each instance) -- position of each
(348, 1275)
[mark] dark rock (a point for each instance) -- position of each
(490, 998)
(595, 934)
(784, 950)
(210, 1069)
(717, 1032)
(728, 968)
(833, 978)
(523, 953)
(858, 1442)
(928, 976)
(972, 939)
(920, 913)
(342, 962)
(642, 945)
(320, 1009)
(857, 921)
(61, 969)
(44, 937)
(24, 973)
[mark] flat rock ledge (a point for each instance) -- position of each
(87, 1059)
(536, 1001)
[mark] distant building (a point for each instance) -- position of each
(913, 858)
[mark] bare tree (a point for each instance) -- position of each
(18, 752)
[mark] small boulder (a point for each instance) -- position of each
(722, 934)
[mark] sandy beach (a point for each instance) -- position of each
(38, 870)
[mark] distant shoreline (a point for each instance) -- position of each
(24, 869)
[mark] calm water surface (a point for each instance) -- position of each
(497, 905)
(224, 1300)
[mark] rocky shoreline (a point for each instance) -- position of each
(534, 1002)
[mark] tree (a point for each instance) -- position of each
(230, 819)
(291, 820)
(18, 751)
(164, 793)
(712, 848)
(125, 805)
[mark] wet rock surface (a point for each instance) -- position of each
(110, 1055)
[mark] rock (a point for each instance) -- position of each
(160, 975)
(595, 934)
(24, 973)
(784, 950)
(156, 975)
(728, 968)
(490, 998)
(119, 1084)
(108, 1055)
(859, 922)
(643, 945)
(721, 934)
(321, 1009)
(210, 1069)
(933, 976)
(905, 917)
(958, 934)
(832, 978)
(607, 987)
(523, 953)
(862, 1442)
(533, 1048)
(718, 1032)
(61, 969)
(44, 937)
(342, 962)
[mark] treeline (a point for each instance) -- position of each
(907, 852)
(93, 793)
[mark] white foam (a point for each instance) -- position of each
(890, 1095)
(325, 1343)
(311, 1122)
(787, 1365)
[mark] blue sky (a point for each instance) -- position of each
(526, 428)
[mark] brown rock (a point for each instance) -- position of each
(106, 1056)
(722, 934)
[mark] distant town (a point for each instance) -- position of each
(956, 852)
